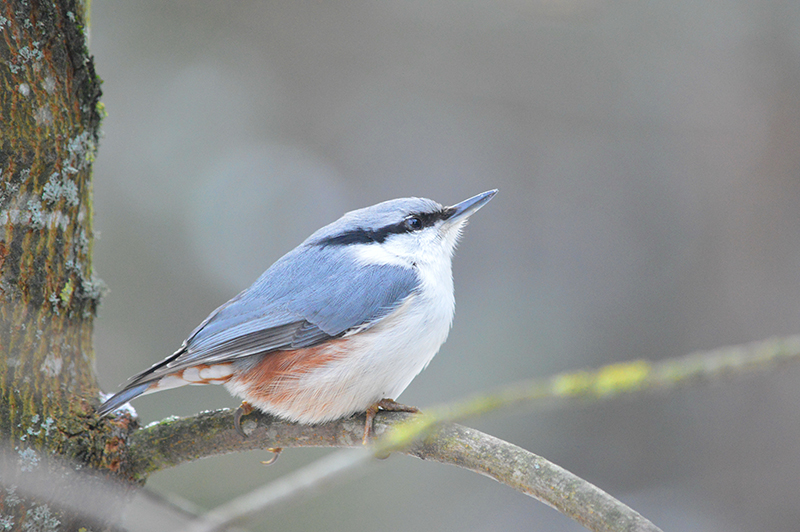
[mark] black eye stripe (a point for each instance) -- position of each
(366, 236)
(430, 218)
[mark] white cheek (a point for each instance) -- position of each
(409, 249)
(377, 254)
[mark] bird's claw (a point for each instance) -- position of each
(390, 405)
(244, 409)
(276, 452)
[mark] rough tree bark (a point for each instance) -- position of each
(49, 119)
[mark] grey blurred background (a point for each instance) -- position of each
(648, 161)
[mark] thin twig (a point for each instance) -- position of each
(93, 498)
(312, 477)
(625, 378)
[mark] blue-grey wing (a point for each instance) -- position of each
(307, 297)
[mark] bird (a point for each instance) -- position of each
(339, 325)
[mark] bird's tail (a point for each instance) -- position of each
(119, 399)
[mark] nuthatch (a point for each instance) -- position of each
(341, 324)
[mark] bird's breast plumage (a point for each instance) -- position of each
(347, 375)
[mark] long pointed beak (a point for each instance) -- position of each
(468, 207)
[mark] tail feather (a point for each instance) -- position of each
(119, 399)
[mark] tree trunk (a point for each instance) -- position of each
(49, 120)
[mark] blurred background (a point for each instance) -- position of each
(648, 161)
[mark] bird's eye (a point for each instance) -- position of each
(413, 223)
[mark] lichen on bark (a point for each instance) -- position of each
(49, 126)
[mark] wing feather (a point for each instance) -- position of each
(307, 297)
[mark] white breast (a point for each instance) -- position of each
(394, 351)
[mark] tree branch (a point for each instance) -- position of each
(174, 441)
(625, 378)
(431, 437)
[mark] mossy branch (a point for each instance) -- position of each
(625, 378)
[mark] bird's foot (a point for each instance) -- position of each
(244, 409)
(276, 452)
(389, 405)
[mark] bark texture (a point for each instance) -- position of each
(49, 119)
